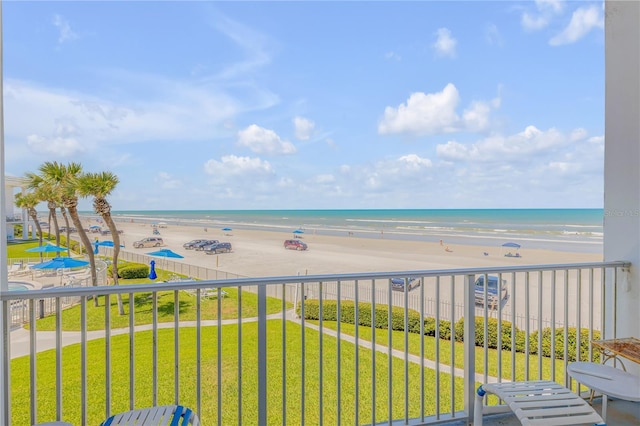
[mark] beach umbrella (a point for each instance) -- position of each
(61, 263)
(152, 270)
(297, 232)
(166, 253)
(227, 229)
(47, 248)
(95, 227)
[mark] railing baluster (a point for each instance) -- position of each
(284, 356)
(132, 370)
(303, 347)
(356, 296)
(240, 354)
(59, 359)
(83, 358)
(198, 352)
(373, 351)
(553, 325)
(219, 352)
(339, 353)
(540, 325)
(107, 354)
(437, 333)
(176, 346)
(155, 344)
(33, 380)
(320, 352)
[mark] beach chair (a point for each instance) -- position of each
(174, 415)
(539, 402)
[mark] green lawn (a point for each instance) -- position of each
(228, 360)
(143, 308)
(381, 338)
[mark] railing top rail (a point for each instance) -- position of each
(264, 281)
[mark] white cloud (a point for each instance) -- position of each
(58, 146)
(583, 20)
(261, 140)
(392, 56)
(303, 128)
(445, 44)
(435, 113)
(324, 179)
(518, 147)
(167, 181)
(256, 46)
(233, 165)
(493, 35)
(64, 28)
(415, 162)
(546, 10)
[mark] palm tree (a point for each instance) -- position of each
(99, 186)
(49, 193)
(29, 201)
(65, 177)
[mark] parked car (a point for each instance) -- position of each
(148, 242)
(189, 244)
(201, 245)
(493, 296)
(398, 283)
(295, 245)
(218, 248)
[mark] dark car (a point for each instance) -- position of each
(398, 283)
(493, 295)
(203, 244)
(189, 245)
(218, 248)
(295, 245)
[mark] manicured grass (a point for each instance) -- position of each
(381, 337)
(226, 363)
(143, 308)
(18, 250)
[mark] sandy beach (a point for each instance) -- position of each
(261, 253)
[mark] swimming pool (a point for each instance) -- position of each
(23, 285)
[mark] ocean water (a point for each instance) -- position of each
(559, 229)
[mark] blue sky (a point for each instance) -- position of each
(293, 105)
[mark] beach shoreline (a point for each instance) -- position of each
(260, 252)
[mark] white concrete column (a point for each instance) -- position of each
(622, 155)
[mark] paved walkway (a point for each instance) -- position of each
(46, 340)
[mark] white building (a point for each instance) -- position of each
(13, 215)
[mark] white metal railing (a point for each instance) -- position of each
(289, 352)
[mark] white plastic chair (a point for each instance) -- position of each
(539, 403)
(166, 415)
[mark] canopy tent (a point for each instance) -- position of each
(511, 246)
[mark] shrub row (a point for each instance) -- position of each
(128, 271)
(381, 320)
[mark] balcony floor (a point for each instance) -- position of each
(619, 413)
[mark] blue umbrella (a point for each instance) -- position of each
(227, 229)
(47, 248)
(165, 253)
(298, 231)
(152, 271)
(60, 263)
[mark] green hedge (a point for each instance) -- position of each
(381, 315)
(130, 270)
(572, 337)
